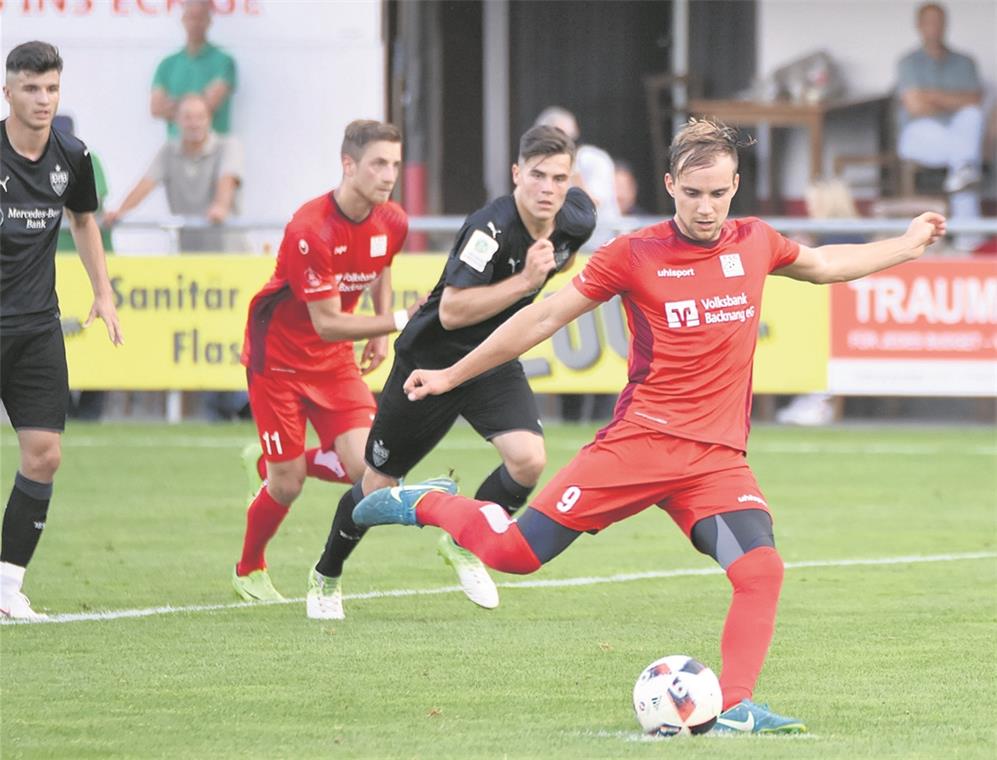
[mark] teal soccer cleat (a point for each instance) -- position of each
(396, 505)
(748, 718)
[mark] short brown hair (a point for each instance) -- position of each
(545, 141)
(361, 132)
(700, 142)
(35, 56)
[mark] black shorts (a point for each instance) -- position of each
(405, 431)
(34, 379)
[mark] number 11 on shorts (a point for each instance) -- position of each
(271, 442)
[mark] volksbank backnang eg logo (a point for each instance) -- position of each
(682, 313)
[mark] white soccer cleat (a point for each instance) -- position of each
(15, 606)
(324, 600)
(475, 581)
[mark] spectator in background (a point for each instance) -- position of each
(626, 190)
(90, 404)
(941, 114)
(198, 67)
(594, 173)
(201, 172)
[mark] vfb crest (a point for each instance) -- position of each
(59, 180)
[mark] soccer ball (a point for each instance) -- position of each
(677, 695)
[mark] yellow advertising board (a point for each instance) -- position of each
(183, 320)
(794, 337)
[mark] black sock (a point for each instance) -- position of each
(24, 520)
(500, 488)
(343, 537)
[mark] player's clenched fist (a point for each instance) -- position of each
(427, 382)
(926, 229)
(539, 263)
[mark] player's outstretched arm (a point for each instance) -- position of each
(86, 235)
(841, 263)
(521, 332)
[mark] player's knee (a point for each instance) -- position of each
(285, 486)
(527, 467)
(759, 568)
(41, 463)
(352, 462)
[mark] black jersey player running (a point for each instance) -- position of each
(503, 256)
(42, 171)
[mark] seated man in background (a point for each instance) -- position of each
(201, 172)
(941, 116)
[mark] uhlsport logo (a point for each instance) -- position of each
(682, 313)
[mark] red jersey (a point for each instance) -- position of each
(323, 254)
(693, 311)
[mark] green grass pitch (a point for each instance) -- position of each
(890, 660)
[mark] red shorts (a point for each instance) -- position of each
(628, 468)
(281, 405)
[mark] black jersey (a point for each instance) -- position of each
(32, 196)
(490, 247)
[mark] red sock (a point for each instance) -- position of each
(481, 527)
(757, 579)
(325, 465)
(263, 518)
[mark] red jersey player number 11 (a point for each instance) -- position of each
(298, 348)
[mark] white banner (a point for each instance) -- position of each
(305, 69)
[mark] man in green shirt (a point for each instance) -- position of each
(198, 67)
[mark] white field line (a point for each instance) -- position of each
(800, 447)
(636, 736)
(77, 617)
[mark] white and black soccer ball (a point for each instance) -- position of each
(677, 695)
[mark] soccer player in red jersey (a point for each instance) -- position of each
(298, 348)
(692, 289)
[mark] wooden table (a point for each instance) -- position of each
(741, 113)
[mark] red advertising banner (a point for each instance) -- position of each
(926, 328)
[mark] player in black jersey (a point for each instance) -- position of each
(42, 171)
(503, 256)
